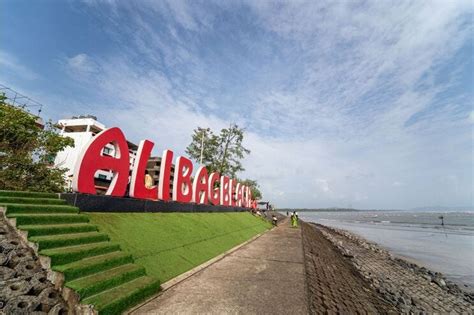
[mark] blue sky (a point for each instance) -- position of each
(345, 103)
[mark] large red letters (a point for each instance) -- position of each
(225, 200)
(238, 194)
(202, 190)
(214, 193)
(91, 160)
(137, 181)
(165, 174)
(200, 186)
(232, 194)
(182, 188)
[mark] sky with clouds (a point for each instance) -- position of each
(364, 104)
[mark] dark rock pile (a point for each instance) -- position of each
(409, 287)
(438, 279)
(24, 287)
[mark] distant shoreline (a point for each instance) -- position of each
(416, 210)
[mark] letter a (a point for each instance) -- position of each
(91, 160)
(200, 186)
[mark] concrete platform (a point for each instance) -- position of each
(266, 276)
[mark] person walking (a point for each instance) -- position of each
(294, 219)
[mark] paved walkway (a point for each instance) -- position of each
(265, 276)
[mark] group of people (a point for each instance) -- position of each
(293, 218)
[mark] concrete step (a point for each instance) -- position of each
(29, 200)
(104, 280)
(65, 255)
(62, 240)
(119, 299)
(36, 209)
(91, 265)
(29, 219)
(53, 229)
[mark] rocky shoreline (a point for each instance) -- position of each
(404, 285)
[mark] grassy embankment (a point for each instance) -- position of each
(168, 244)
(116, 260)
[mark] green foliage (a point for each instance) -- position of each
(169, 244)
(27, 152)
(28, 194)
(220, 153)
(254, 187)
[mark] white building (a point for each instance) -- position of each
(82, 129)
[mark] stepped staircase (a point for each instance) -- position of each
(95, 268)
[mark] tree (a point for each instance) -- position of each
(220, 153)
(27, 151)
(254, 187)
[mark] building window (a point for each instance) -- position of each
(101, 176)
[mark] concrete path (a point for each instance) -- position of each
(265, 276)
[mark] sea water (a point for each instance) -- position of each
(417, 236)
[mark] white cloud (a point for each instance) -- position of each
(12, 64)
(329, 109)
(82, 64)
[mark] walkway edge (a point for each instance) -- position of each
(171, 283)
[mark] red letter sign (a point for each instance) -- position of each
(137, 182)
(92, 160)
(232, 192)
(182, 189)
(200, 186)
(225, 200)
(165, 174)
(249, 197)
(214, 192)
(238, 194)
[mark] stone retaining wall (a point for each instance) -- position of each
(24, 287)
(409, 287)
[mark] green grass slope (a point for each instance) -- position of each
(168, 244)
(116, 260)
(93, 266)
